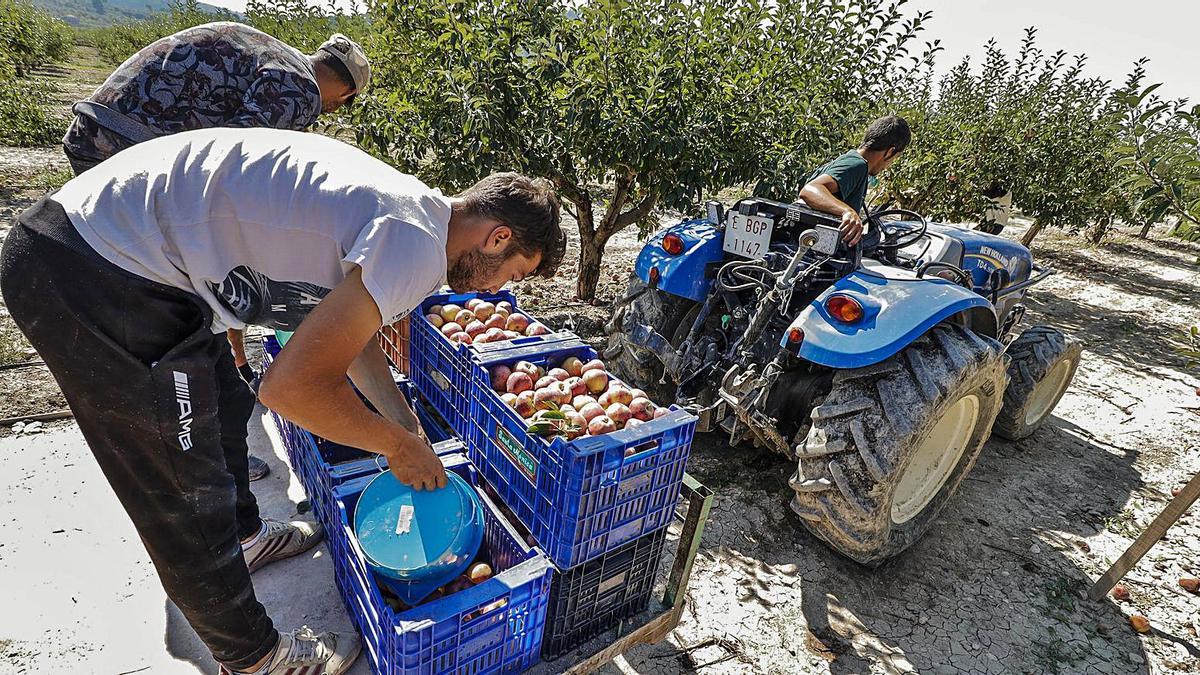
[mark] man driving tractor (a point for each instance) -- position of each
(840, 187)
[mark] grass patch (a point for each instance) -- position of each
(13, 344)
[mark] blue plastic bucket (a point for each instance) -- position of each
(418, 540)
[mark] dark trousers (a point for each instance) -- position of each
(163, 410)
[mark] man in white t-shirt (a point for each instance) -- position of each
(126, 280)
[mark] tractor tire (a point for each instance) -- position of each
(666, 314)
(1043, 363)
(892, 442)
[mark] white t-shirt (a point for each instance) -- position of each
(263, 223)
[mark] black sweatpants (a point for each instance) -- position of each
(164, 411)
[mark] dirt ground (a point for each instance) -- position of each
(995, 586)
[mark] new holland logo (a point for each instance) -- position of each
(184, 398)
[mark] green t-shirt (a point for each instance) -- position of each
(850, 172)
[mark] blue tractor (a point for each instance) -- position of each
(880, 368)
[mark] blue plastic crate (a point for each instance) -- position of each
(582, 498)
(440, 368)
(494, 627)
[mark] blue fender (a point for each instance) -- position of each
(896, 311)
(684, 274)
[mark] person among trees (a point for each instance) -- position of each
(126, 289)
(840, 187)
(219, 74)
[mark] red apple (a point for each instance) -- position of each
(505, 306)
(495, 321)
(605, 399)
(618, 413)
(638, 393)
(510, 399)
(544, 381)
(436, 309)
(567, 408)
(474, 328)
(558, 373)
(537, 329)
(435, 319)
(564, 392)
(500, 311)
(601, 425)
(518, 322)
(581, 400)
(500, 375)
(524, 405)
(511, 334)
(594, 364)
(661, 412)
(632, 423)
(596, 381)
(581, 425)
(493, 335)
(519, 382)
(527, 368)
(543, 396)
(484, 310)
(573, 366)
(450, 328)
(464, 317)
(642, 408)
(620, 394)
(450, 311)
(591, 411)
(461, 336)
(576, 385)
(473, 303)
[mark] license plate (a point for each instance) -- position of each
(748, 236)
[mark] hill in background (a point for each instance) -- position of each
(105, 12)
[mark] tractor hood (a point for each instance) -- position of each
(983, 254)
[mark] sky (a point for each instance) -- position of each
(1113, 33)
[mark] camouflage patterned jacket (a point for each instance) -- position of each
(213, 75)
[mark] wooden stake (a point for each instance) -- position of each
(1157, 528)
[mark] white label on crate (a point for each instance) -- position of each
(404, 520)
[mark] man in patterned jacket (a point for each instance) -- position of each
(214, 75)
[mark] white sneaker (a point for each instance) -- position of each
(303, 652)
(278, 540)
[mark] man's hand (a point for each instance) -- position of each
(414, 463)
(852, 227)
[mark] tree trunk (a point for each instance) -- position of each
(1145, 230)
(1031, 233)
(1098, 230)
(591, 254)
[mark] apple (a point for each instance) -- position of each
(435, 319)
(618, 413)
(464, 317)
(573, 366)
(632, 423)
(638, 393)
(462, 337)
(450, 311)
(543, 396)
(564, 393)
(511, 334)
(493, 335)
(576, 385)
(594, 364)
(661, 412)
(495, 321)
(642, 408)
(479, 573)
(601, 425)
(567, 408)
(474, 328)
(524, 405)
(518, 322)
(544, 381)
(596, 381)
(558, 373)
(519, 382)
(503, 312)
(605, 399)
(579, 401)
(504, 305)
(591, 411)
(581, 425)
(484, 310)
(499, 375)
(526, 367)
(473, 303)
(509, 399)
(436, 309)
(537, 329)
(620, 394)
(450, 328)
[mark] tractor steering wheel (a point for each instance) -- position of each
(898, 234)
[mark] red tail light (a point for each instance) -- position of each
(795, 336)
(673, 244)
(844, 308)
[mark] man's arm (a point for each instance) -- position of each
(307, 384)
(370, 373)
(819, 193)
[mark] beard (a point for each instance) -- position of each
(473, 270)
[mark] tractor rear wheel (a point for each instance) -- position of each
(671, 315)
(891, 442)
(1043, 364)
